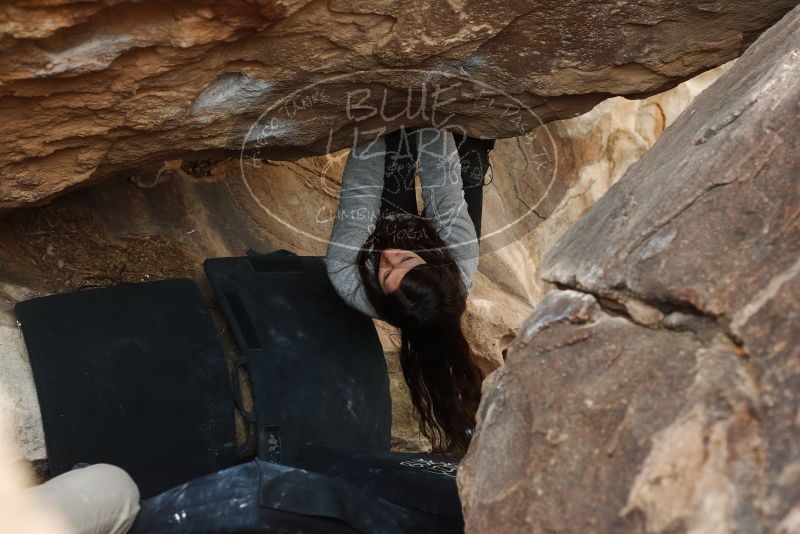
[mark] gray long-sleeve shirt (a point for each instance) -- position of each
(360, 203)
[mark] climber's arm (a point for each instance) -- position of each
(359, 207)
(442, 191)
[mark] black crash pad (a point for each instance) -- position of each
(422, 482)
(133, 375)
(266, 497)
(316, 366)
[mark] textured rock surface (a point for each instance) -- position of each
(18, 402)
(560, 170)
(564, 433)
(153, 226)
(661, 393)
(89, 89)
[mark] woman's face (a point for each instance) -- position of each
(393, 266)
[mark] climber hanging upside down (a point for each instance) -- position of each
(415, 270)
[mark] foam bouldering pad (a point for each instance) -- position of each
(257, 497)
(132, 375)
(423, 482)
(316, 366)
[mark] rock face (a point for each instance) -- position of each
(19, 405)
(553, 175)
(91, 89)
(658, 390)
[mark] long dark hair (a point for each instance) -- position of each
(427, 307)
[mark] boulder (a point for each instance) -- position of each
(544, 181)
(92, 89)
(658, 388)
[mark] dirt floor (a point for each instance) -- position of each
(63, 247)
(118, 232)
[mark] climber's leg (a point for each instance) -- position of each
(474, 155)
(98, 499)
(400, 167)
